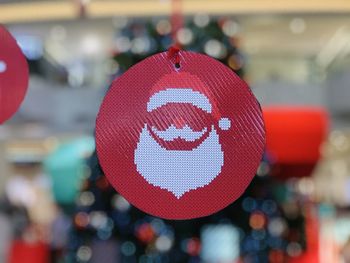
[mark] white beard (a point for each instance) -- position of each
(179, 171)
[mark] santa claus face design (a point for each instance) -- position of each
(175, 156)
(179, 143)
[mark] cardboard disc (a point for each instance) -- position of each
(180, 143)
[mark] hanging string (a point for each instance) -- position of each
(173, 54)
(176, 20)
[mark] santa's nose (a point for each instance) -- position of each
(225, 124)
(179, 123)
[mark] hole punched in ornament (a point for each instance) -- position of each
(174, 56)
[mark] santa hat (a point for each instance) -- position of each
(182, 87)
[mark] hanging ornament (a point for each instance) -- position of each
(13, 75)
(179, 134)
(180, 138)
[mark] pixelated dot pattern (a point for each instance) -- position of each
(174, 159)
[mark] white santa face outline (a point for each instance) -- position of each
(180, 171)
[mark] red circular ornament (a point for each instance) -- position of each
(180, 143)
(13, 75)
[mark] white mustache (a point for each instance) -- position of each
(173, 133)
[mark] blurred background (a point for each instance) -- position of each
(57, 206)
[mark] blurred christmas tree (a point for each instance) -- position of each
(215, 37)
(106, 228)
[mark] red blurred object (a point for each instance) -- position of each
(277, 256)
(14, 74)
(145, 233)
(311, 255)
(193, 247)
(22, 252)
(257, 220)
(294, 136)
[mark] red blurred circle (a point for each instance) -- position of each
(257, 220)
(14, 75)
(193, 246)
(145, 233)
(81, 220)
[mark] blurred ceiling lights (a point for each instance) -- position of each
(16, 12)
(337, 47)
(297, 25)
(91, 45)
